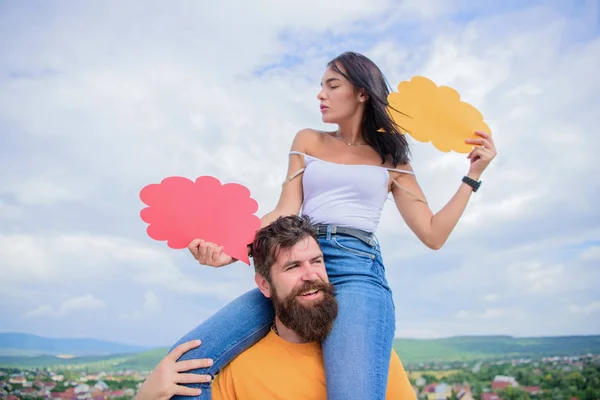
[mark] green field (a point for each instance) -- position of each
(411, 351)
(466, 348)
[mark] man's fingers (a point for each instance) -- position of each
(193, 378)
(182, 348)
(186, 391)
(189, 365)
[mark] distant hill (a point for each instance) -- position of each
(144, 361)
(23, 344)
(411, 351)
(460, 348)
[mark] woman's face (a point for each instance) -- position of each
(339, 100)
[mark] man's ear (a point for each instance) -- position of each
(263, 285)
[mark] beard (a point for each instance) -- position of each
(312, 321)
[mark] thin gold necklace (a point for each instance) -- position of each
(347, 142)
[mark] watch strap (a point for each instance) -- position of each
(472, 182)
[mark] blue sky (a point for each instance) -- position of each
(98, 100)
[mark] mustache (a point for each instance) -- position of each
(313, 285)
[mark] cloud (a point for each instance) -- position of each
(9, 211)
(537, 277)
(491, 297)
(585, 309)
(591, 254)
(61, 260)
(150, 307)
(89, 116)
(34, 192)
(490, 313)
(75, 305)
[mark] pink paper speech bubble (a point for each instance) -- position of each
(180, 210)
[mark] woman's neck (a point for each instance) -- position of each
(350, 131)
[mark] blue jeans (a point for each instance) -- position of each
(357, 351)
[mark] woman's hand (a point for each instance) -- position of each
(210, 254)
(482, 155)
(164, 381)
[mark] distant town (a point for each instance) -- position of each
(556, 378)
(47, 383)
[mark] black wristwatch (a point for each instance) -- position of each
(471, 182)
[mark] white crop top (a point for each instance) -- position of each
(345, 195)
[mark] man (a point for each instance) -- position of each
(287, 363)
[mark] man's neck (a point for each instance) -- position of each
(286, 333)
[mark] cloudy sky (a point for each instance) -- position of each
(98, 99)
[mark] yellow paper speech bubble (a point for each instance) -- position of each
(435, 114)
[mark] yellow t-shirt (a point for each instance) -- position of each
(276, 369)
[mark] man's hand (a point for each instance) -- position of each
(164, 381)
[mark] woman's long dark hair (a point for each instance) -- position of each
(378, 128)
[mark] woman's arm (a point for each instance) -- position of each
(434, 229)
(290, 201)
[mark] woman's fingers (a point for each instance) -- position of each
(208, 255)
(216, 255)
(482, 142)
(202, 249)
(206, 252)
(478, 152)
(483, 134)
(189, 365)
(483, 153)
(471, 153)
(193, 247)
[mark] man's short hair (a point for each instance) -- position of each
(281, 234)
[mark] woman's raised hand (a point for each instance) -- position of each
(210, 254)
(482, 155)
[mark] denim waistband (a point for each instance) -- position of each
(326, 230)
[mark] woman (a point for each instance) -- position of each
(341, 180)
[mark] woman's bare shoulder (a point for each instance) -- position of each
(389, 164)
(307, 138)
(313, 134)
